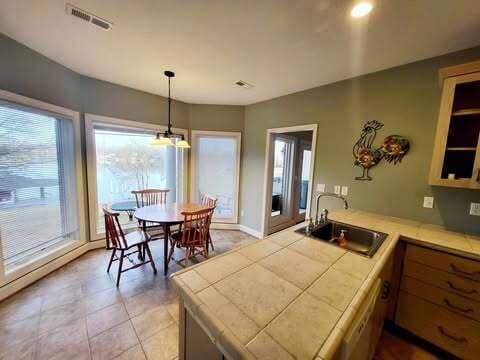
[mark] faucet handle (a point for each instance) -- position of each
(324, 216)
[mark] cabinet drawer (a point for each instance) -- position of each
(443, 298)
(449, 331)
(446, 262)
(442, 279)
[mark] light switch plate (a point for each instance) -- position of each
(344, 190)
(336, 189)
(321, 187)
(475, 209)
(428, 202)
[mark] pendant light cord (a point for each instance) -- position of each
(169, 109)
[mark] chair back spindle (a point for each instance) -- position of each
(195, 227)
(148, 197)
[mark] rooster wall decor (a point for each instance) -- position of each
(367, 156)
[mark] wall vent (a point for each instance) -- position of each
(86, 16)
(244, 84)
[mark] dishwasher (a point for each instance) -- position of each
(356, 345)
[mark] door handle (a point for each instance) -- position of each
(464, 291)
(463, 272)
(457, 308)
(453, 337)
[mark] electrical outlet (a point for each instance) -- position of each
(336, 189)
(428, 202)
(344, 190)
(321, 187)
(475, 209)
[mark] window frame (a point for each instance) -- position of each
(50, 255)
(237, 136)
(90, 120)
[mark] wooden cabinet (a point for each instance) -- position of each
(456, 154)
(439, 300)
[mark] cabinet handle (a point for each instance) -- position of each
(453, 337)
(457, 270)
(469, 292)
(457, 308)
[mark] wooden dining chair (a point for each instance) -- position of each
(210, 201)
(148, 197)
(193, 236)
(117, 240)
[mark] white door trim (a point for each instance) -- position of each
(309, 127)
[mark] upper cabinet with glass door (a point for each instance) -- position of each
(456, 155)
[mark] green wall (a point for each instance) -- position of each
(406, 99)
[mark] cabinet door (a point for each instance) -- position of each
(456, 156)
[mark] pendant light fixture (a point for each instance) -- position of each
(165, 139)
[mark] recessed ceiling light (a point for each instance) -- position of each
(361, 9)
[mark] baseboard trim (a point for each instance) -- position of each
(251, 231)
(224, 226)
(22, 282)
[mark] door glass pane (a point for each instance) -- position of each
(280, 176)
(38, 198)
(127, 161)
(304, 178)
(216, 172)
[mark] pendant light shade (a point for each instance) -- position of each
(166, 138)
(160, 140)
(182, 144)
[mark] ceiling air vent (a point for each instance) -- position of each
(86, 16)
(244, 84)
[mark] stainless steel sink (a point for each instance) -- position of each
(362, 241)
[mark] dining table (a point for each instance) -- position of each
(166, 215)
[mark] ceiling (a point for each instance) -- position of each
(280, 46)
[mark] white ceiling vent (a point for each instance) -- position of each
(244, 84)
(88, 17)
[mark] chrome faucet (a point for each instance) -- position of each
(324, 214)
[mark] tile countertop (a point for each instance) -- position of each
(291, 290)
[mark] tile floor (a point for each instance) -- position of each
(77, 312)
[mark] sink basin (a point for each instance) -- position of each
(362, 241)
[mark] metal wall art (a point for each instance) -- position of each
(366, 155)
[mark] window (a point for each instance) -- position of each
(121, 159)
(215, 170)
(39, 209)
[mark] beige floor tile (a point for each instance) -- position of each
(173, 309)
(355, 265)
(135, 353)
(59, 316)
(68, 342)
(258, 292)
(138, 304)
(232, 317)
(294, 267)
(99, 283)
(18, 331)
(264, 347)
(113, 342)
(152, 321)
(163, 345)
(222, 267)
(21, 351)
(317, 250)
(259, 249)
(16, 308)
(100, 300)
(335, 288)
(303, 326)
(106, 318)
(66, 296)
